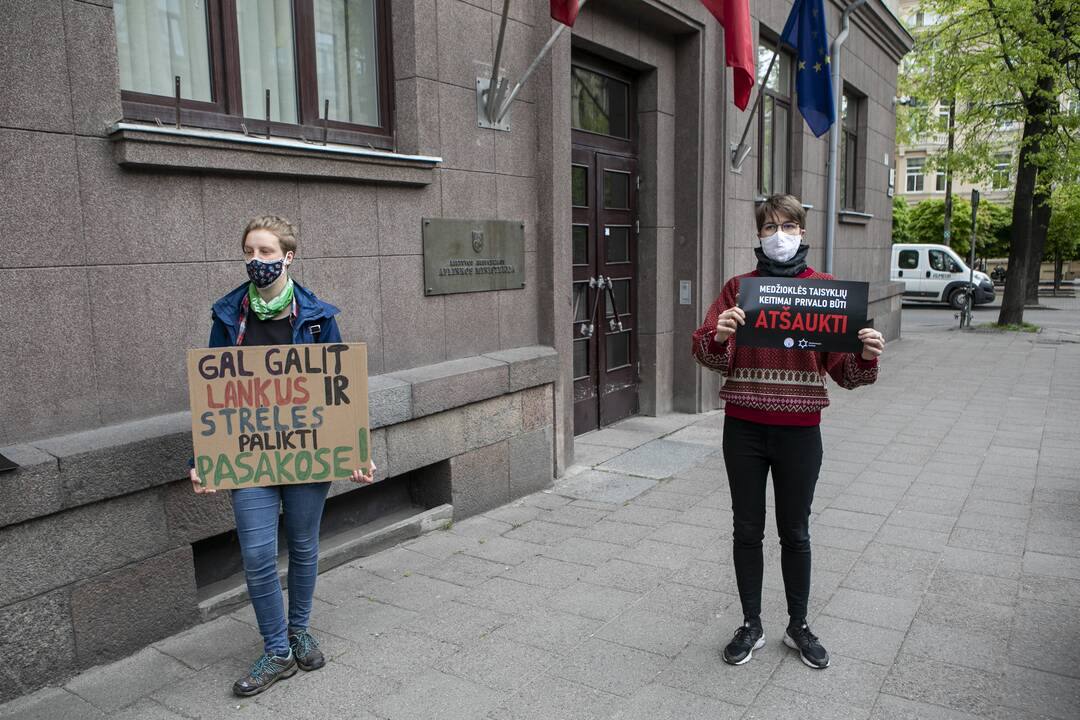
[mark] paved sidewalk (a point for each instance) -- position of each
(946, 576)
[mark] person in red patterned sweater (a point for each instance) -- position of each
(772, 406)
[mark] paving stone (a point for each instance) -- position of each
(575, 516)
(480, 527)
(550, 697)
(583, 551)
(396, 654)
(659, 498)
(1062, 591)
(629, 576)
(604, 486)
(657, 459)
(415, 592)
(781, 703)
(829, 536)
(660, 702)
(702, 671)
(465, 570)
(548, 629)
(592, 601)
(616, 438)
(959, 646)
(498, 663)
(917, 538)
(890, 707)
(1036, 563)
(504, 550)
(964, 613)
(857, 640)
(542, 533)
(850, 520)
(984, 563)
(395, 563)
(440, 544)
(208, 693)
(346, 583)
(655, 632)
(922, 520)
(677, 533)
(1045, 638)
(939, 683)
(873, 578)
(696, 604)
(973, 539)
(455, 622)
(359, 619)
(506, 596)
(872, 609)
(650, 552)
(514, 514)
(588, 456)
(610, 667)
(862, 503)
(547, 572)
(437, 689)
(847, 681)
(146, 710)
(617, 532)
(1040, 693)
(330, 692)
(960, 584)
(49, 704)
(210, 642)
(116, 685)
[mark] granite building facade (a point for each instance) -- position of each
(120, 229)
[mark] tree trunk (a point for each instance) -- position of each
(1059, 262)
(1012, 301)
(1040, 225)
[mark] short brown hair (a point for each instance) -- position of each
(782, 206)
(281, 227)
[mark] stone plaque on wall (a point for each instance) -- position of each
(473, 255)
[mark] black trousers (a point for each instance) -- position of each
(794, 456)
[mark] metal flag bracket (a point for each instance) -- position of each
(492, 99)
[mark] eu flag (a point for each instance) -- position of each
(805, 31)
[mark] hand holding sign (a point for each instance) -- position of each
(873, 343)
(729, 321)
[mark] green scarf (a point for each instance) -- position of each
(265, 310)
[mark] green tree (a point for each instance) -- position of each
(1003, 61)
(927, 222)
(1063, 235)
(901, 220)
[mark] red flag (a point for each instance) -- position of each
(734, 15)
(565, 11)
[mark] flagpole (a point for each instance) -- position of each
(738, 154)
(834, 135)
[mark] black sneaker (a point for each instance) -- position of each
(266, 671)
(306, 649)
(748, 638)
(799, 637)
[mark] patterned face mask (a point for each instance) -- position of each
(264, 274)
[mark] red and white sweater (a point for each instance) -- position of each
(775, 386)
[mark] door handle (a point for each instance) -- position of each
(900, 274)
(600, 283)
(927, 273)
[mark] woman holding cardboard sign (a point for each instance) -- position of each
(772, 405)
(272, 309)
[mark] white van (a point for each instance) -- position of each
(935, 273)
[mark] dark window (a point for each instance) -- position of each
(1002, 171)
(940, 261)
(240, 61)
(599, 103)
(579, 184)
(774, 123)
(939, 181)
(849, 151)
(909, 259)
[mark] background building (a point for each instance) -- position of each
(121, 229)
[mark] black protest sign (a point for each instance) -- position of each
(802, 314)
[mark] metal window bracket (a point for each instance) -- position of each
(492, 99)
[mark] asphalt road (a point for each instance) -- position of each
(1054, 314)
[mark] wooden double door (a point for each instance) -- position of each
(605, 250)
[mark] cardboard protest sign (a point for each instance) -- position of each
(279, 414)
(793, 313)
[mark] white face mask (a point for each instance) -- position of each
(780, 246)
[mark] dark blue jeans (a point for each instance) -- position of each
(793, 454)
(256, 510)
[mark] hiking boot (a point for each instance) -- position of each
(266, 671)
(306, 649)
(748, 638)
(798, 637)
